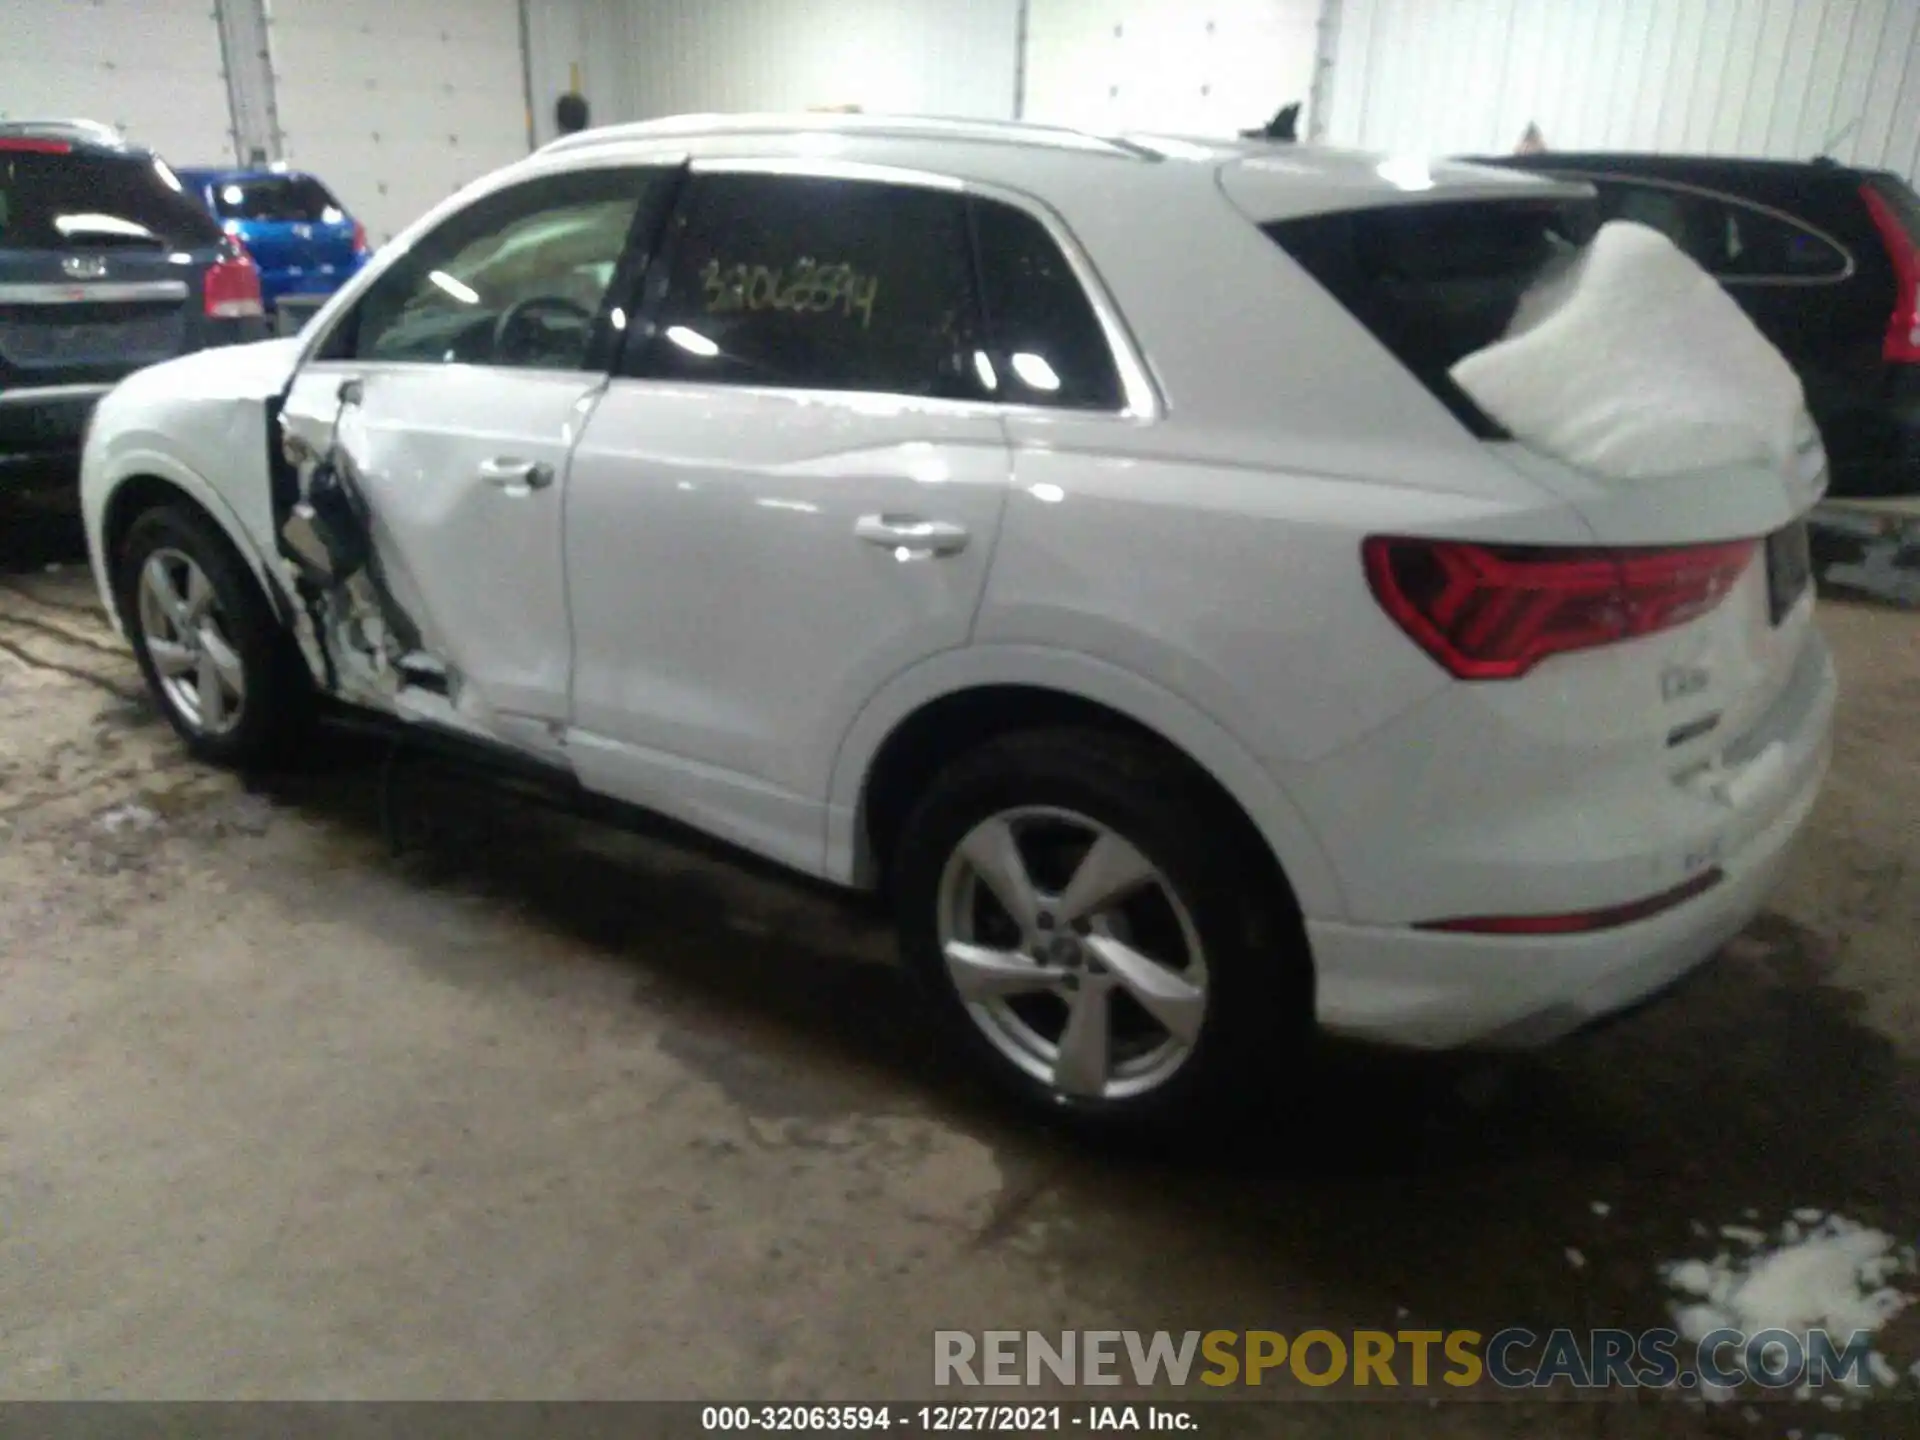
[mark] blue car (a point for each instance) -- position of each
(301, 237)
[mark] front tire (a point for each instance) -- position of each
(218, 663)
(1097, 935)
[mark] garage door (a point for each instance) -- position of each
(1168, 65)
(148, 67)
(398, 103)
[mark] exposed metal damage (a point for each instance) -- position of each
(361, 645)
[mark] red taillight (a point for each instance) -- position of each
(1493, 612)
(1903, 330)
(233, 288)
(21, 144)
(1580, 922)
(359, 238)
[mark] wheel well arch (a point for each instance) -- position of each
(135, 495)
(943, 728)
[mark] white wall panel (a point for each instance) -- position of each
(150, 67)
(1789, 78)
(398, 103)
(1197, 67)
(933, 57)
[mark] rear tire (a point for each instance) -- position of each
(1097, 936)
(221, 668)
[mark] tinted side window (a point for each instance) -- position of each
(1753, 244)
(519, 278)
(62, 202)
(1048, 347)
(1729, 240)
(816, 283)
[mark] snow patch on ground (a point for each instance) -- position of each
(1815, 1272)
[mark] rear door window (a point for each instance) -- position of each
(1048, 346)
(52, 201)
(816, 283)
(287, 199)
(1434, 282)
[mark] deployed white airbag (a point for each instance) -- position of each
(1632, 363)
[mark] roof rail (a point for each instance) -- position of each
(895, 127)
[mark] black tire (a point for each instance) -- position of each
(1258, 1014)
(278, 701)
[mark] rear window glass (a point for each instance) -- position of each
(293, 199)
(67, 202)
(1435, 282)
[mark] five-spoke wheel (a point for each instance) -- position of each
(1099, 932)
(222, 668)
(181, 625)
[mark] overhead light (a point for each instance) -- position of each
(1034, 371)
(458, 289)
(1407, 172)
(692, 341)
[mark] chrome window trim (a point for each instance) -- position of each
(1141, 401)
(1703, 192)
(89, 292)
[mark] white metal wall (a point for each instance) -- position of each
(645, 58)
(1194, 67)
(1788, 78)
(149, 67)
(398, 103)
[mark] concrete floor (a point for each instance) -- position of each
(542, 1109)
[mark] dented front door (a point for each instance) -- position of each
(444, 405)
(461, 470)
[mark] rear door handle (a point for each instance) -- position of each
(506, 472)
(910, 537)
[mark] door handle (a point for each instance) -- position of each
(506, 472)
(910, 537)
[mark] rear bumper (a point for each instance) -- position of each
(1402, 986)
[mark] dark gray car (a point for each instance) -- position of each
(106, 265)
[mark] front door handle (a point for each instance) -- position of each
(507, 473)
(910, 537)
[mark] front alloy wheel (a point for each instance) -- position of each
(184, 630)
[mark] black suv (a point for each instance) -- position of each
(106, 265)
(1824, 258)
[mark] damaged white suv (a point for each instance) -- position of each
(1212, 590)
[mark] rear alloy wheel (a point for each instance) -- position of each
(1095, 931)
(1072, 953)
(226, 675)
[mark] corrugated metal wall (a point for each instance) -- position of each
(1189, 67)
(150, 67)
(1789, 78)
